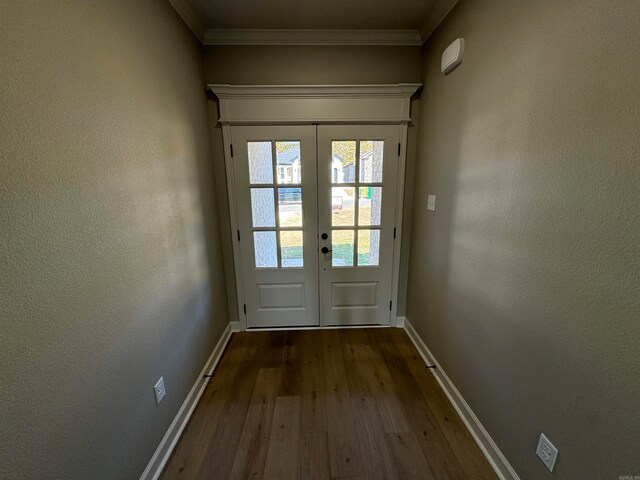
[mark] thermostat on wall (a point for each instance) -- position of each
(452, 56)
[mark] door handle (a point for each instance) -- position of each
(325, 250)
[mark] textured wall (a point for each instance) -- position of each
(525, 281)
(111, 271)
(311, 65)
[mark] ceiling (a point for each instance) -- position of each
(235, 16)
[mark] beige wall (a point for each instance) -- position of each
(110, 257)
(524, 283)
(311, 65)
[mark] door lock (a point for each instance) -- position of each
(324, 236)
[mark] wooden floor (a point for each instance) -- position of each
(325, 404)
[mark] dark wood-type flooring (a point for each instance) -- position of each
(325, 404)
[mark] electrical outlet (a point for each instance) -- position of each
(431, 203)
(547, 452)
(159, 391)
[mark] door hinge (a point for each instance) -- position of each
(398, 150)
(238, 235)
(390, 303)
(394, 232)
(245, 308)
(231, 149)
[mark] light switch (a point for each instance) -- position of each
(431, 203)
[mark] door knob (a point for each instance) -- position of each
(325, 250)
(324, 236)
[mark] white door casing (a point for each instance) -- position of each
(312, 105)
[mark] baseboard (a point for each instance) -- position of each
(328, 327)
(170, 439)
(489, 448)
(237, 327)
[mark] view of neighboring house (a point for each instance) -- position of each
(344, 171)
(288, 164)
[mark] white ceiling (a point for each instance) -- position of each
(416, 15)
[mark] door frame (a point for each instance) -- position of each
(257, 105)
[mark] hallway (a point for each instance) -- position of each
(215, 216)
(320, 404)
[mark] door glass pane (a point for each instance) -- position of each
(288, 162)
(371, 153)
(263, 210)
(260, 162)
(291, 248)
(369, 205)
(342, 246)
(342, 206)
(343, 161)
(290, 207)
(368, 247)
(264, 244)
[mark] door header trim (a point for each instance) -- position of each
(314, 104)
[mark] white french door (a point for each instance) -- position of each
(276, 192)
(316, 219)
(357, 177)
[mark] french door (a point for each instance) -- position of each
(276, 192)
(316, 219)
(357, 170)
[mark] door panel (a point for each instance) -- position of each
(276, 192)
(357, 176)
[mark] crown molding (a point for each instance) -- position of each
(311, 37)
(189, 17)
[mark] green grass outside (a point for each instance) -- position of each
(342, 252)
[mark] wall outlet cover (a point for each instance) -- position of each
(547, 452)
(159, 391)
(431, 203)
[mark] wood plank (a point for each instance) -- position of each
(291, 365)
(352, 342)
(273, 349)
(407, 457)
(314, 456)
(467, 452)
(435, 448)
(374, 370)
(313, 415)
(376, 456)
(344, 452)
(282, 456)
(254, 441)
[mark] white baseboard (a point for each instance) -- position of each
(328, 327)
(170, 439)
(489, 448)
(237, 327)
